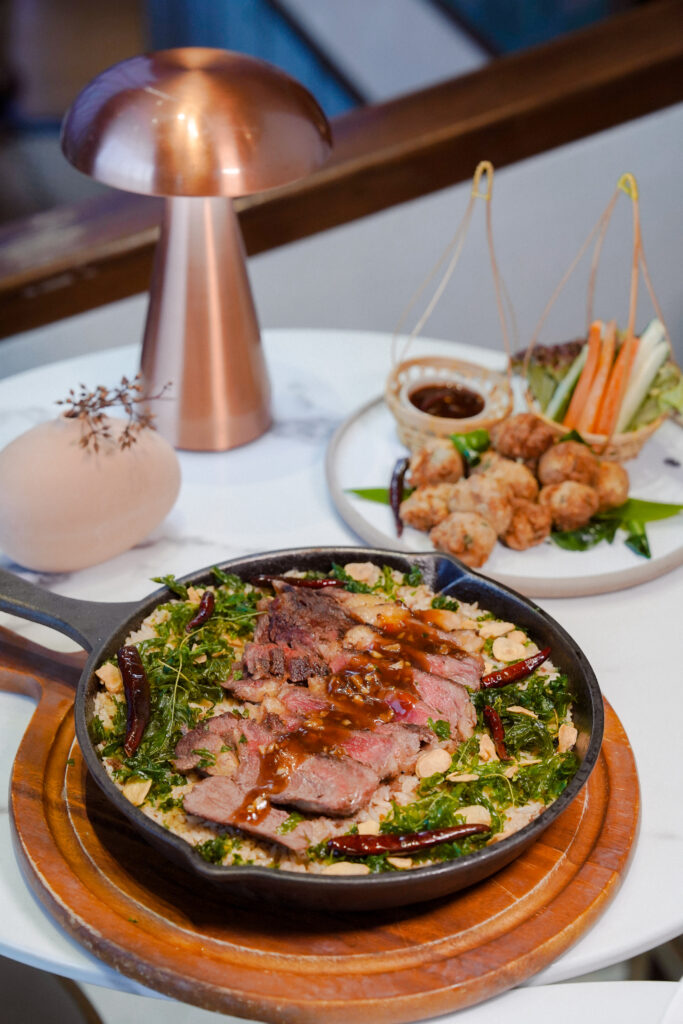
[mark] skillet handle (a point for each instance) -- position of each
(86, 622)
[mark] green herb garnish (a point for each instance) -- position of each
(440, 728)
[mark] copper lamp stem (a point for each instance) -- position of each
(202, 333)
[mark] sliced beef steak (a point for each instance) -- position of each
(297, 635)
(427, 647)
(226, 739)
(269, 659)
(451, 700)
(389, 749)
(324, 784)
(221, 800)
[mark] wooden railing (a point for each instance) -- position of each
(74, 258)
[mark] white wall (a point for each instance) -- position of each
(360, 276)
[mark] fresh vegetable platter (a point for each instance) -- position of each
(607, 386)
(365, 449)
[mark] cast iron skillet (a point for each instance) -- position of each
(102, 627)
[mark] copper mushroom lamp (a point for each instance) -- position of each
(199, 126)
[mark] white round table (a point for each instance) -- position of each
(272, 494)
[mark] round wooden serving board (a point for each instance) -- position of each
(151, 921)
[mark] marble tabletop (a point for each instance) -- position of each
(272, 494)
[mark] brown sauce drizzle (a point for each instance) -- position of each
(450, 401)
(375, 686)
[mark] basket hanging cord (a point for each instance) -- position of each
(454, 249)
(627, 184)
(598, 229)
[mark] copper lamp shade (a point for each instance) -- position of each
(199, 126)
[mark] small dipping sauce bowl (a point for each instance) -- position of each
(434, 396)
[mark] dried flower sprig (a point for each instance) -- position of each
(89, 407)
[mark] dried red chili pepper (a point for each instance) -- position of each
(297, 581)
(136, 689)
(363, 846)
(511, 673)
(493, 720)
(204, 612)
(396, 491)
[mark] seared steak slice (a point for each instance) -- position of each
(451, 700)
(221, 800)
(307, 620)
(388, 619)
(389, 749)
(323, 784)
(222, 738)
(262, 660)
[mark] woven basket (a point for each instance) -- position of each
(618, 448)
(414, 427)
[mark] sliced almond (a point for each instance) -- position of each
(491, 628)
(510, 772)
(431, 762)
(464, 777)
(111, 678)
(194, 596)
(402, 863)
(518, 636)
(469, 640)
(346, 867)
(518, 710)
(368, 828)
(487, 748)
(136, 790)
(566, 737)
(475, 814)
(532, 760)
(508, 650)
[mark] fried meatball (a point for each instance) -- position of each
(516, 477)
(523, 436)
(485, 496)
(571, 504)
(465, 535)
(612, 485)
(530, 524)
(437, 463)
(569, 460)
(426, 506)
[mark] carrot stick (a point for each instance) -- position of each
(584, 382)
(614, 393)
(588, 415)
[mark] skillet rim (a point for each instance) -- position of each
(481, 863)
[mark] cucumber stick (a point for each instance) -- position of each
(653, 350)
(557, 406)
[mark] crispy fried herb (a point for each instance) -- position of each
(172, 584)
(413, 578)
(441, 728)
(441, 601)
(290, 823)
(353, 586)
(97, 729)
(184, 672)
(206, 758)
(214, 850)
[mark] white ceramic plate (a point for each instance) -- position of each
(364, 449)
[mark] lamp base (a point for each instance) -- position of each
(202, 333)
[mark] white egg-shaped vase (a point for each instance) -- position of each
(65, 507)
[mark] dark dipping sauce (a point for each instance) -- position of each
(449, 401)
(374, 687)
